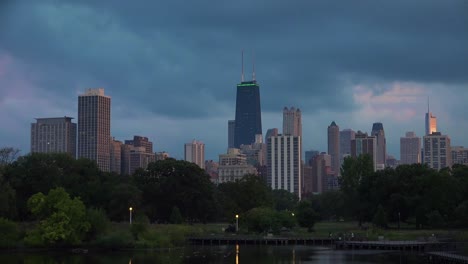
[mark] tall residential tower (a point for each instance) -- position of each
(94, 137)
(292, 122)
(379, 134)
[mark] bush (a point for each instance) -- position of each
(306, 216)
(176, 217)
(380, 218)
(140, 225)
(115, 240)
(98, 221)
(9, 233)
(435, 219)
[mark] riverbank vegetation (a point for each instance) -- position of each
(53, 200)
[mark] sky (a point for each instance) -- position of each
(171, 67)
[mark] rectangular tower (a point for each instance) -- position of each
(437, 151)
(410, 149)
(284, 163)
(292, 122)
(248, 121)
(94, 137)
(334, 147)
(231, 132)
(364, 144)
(195, 153)
(54, 135)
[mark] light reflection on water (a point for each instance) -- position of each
(239, 254)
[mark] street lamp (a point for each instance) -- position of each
(237, 223)
(130, 209)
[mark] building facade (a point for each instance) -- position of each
(309, 155)
(284, 163)
(437, 151)
(94, 118)
(248, 122)
(195, 152)
(231, 132)
(431, 122)
(139, 141)
(459, 155)
(116, 156)
(334, 147)
(410, 149)
(346, 135)
(364, 144)
(233, 166)
(292, 122)
(379, 134)
(54, 135)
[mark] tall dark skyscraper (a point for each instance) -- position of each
(248, 121)
(379, 133)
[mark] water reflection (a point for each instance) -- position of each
(217, 254)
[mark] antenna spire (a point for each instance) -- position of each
(253, 67)
(428, 104)
(242, 76)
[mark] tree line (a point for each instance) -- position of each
(171, 191)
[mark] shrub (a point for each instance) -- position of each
(115, 240)
(9, 233)
(99, 223)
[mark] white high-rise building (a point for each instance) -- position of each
(94, 121)
(195, 153)
(410, 149)
(437, 151)
(292, 122)
(54, 135)
(284, 163)
(459, 155)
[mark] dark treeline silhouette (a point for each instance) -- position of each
(172, 190)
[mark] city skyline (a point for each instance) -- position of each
(163, 86)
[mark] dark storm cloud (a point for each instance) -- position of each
(182, 58)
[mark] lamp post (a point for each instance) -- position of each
(237, 223)
(130, 210)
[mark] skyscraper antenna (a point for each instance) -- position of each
(253, 67)
(242, 76)
(428, 104)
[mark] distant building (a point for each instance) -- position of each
(346, 135)
(233, 166)
(292, 122)
(284, 163)
(364, 144)
(379, 134)
(309, 155)
(392, 162)
(431, 122)
(116, 156)
(321, 170)
(271, 132)
(94, 121)
(256, 152)
(138, 158)
(248, 122)
(139, 141)
(410, 149)
(54, 135)
(211, 167)
(231, 131)
(195, 153)
(437, 151)
(334, 147)
(459, 155)
(162, 155)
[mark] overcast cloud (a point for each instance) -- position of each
(171, 67)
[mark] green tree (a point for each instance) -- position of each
(176, 217)
(380, 218)
(306, 216)
(62, 219)
(284, 200)
(435, 219)
(99, 223)
(261, 220)
(9, 233)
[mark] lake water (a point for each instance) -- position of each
(242, 254)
